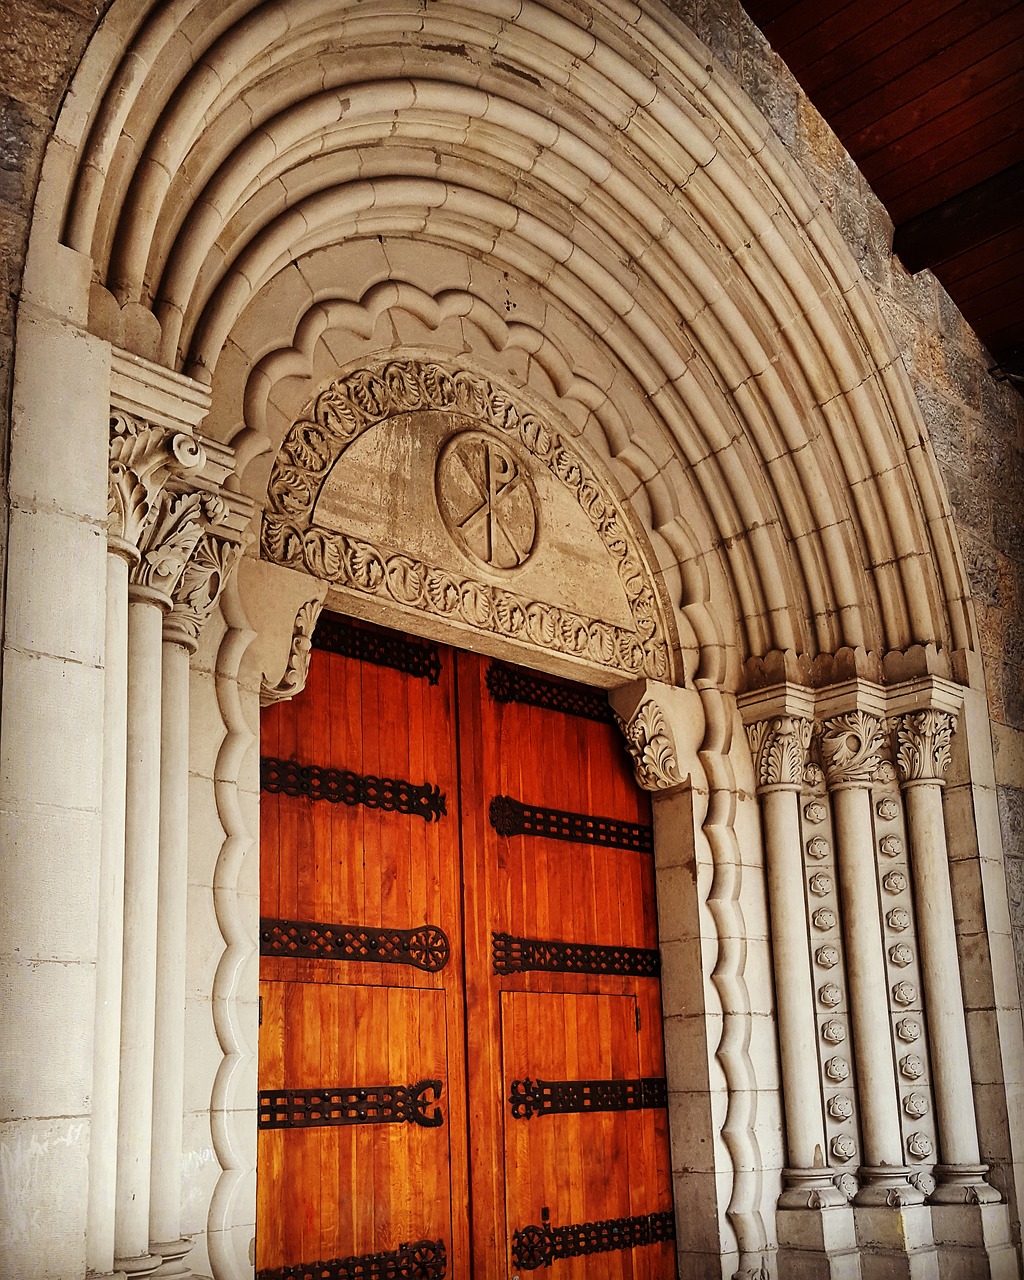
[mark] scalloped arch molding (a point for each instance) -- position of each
(205, 148)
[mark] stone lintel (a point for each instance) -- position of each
(156, 394)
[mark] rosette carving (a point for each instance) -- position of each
(652, 749)
(850, 746)
(923, 745)
(779, 747)
(300, 651)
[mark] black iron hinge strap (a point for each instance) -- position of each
(341, 786)
(413, 657)
(424, 948)
(516, 955)
(511, 817)
(529, 1098)
(423, 1260)
(376, 1104)
(510, 684)
(538, 1246)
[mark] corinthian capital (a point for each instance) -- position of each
(850, 747)
(779, 747)
(199, 587)
(923, 745)
(142, 458)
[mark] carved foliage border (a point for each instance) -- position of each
(351, 405)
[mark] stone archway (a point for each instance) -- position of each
(227, 220)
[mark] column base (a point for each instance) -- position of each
(144, 1265)
(896, 1242)
(963, 1184)
(887, 1186)
(974, 1241)
(810, 1189)
(818, 1243)
(172, 1256)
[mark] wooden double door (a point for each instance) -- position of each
(460, 1062)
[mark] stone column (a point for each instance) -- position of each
(779, 747)
(168, 543)
(922, 756)
(850, 745)
(197, 592)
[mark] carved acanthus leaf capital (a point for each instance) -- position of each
(142, 458)
(170, 540)
(923, 745)
(199, 587)
(850, 747)
(779, 747)
(650, 744)
(297, 668)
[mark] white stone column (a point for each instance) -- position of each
(779, 746)
(850, 743)
(197, 592)
(922, 756)
(110, 922)
(172, 528)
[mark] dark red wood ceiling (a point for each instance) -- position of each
(928, 98)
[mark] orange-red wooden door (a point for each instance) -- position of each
(400, 1050)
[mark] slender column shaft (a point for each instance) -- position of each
(142, 846)
(940, 974)
(169, 1065)
(107, 1044)
(868, 985)
(794, 987)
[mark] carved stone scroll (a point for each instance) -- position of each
(850, 747)
(650, 744)
(301, 650)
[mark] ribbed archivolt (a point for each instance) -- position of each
(652, 210)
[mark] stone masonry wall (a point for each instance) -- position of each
(976, 423)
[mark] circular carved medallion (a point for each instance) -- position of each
(487, 500)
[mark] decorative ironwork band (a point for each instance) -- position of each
(424, 1260)
(515, 955)
(414, 657)
(340, 786)
(513, 818)
(510, 684)
(529, 1098)
(424, 948)
(539, 1246)
(376, 1104)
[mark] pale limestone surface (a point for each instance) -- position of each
(630, 254)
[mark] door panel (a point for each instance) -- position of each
(542, 839)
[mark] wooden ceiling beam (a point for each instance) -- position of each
(978, 214)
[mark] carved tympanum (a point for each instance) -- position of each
(923, 745)
(779, 747)
(352, 404)
(850, 746)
